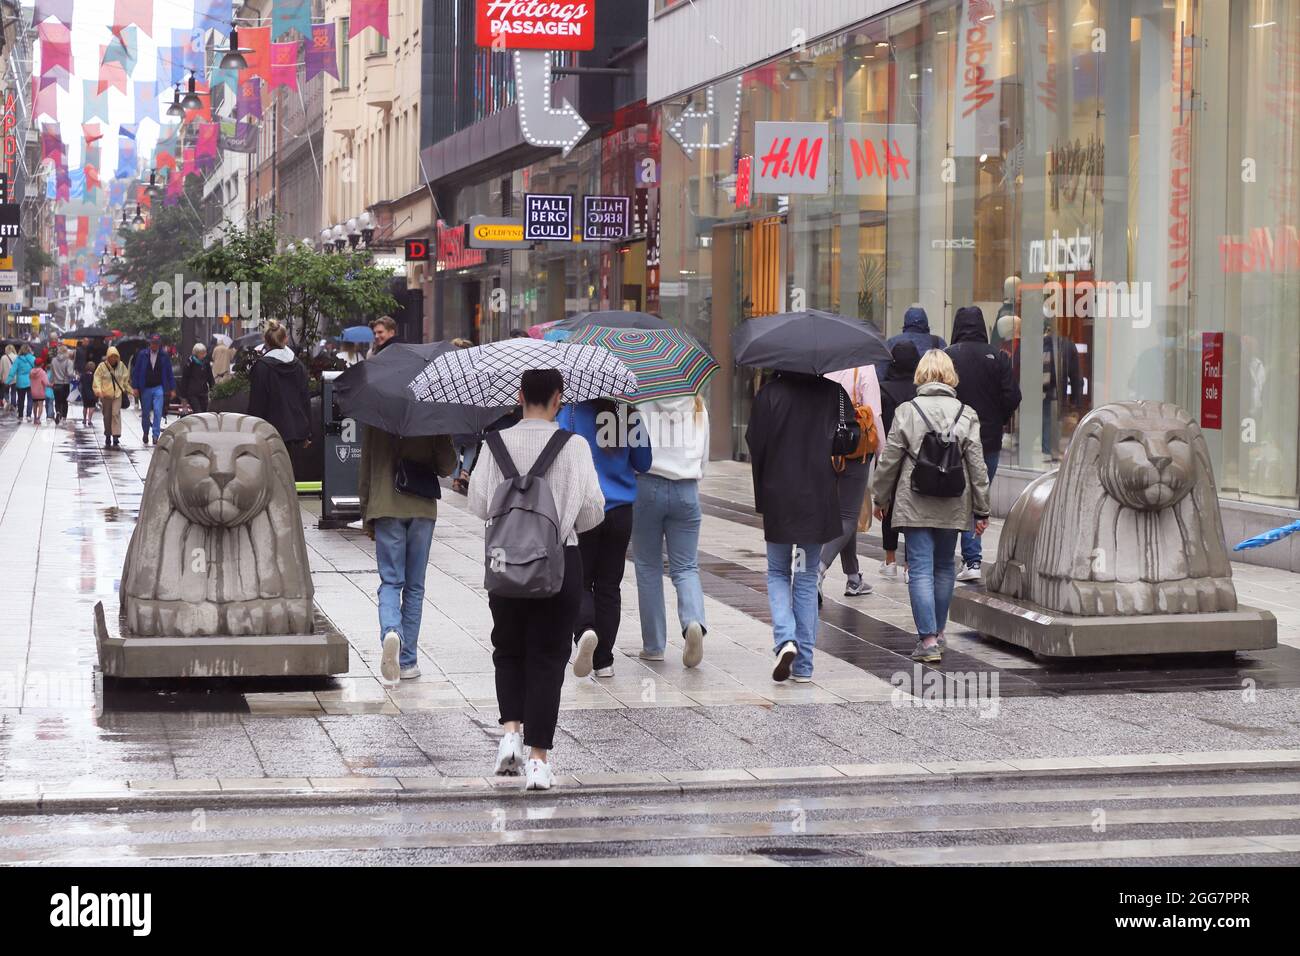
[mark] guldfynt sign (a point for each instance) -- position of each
(536, 24)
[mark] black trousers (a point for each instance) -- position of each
(888, 534)
(604, 551)
(198, 401)
(61, 400)
(530, 651)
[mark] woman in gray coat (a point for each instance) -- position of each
(931, 525)
(63, 372)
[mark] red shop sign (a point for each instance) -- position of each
(1212, 380)
(537, 24)
(452, 252)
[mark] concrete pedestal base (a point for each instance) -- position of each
(303, 655)
(1049, 634)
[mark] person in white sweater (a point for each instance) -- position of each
(532, 637)
(667, 511)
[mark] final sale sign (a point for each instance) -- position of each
(536, 24)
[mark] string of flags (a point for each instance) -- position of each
(202, 105)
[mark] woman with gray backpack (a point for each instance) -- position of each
(537, 490)
(932, 471)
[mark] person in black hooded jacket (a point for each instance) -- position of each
(987, 383)
(897, 388)
(277, 388)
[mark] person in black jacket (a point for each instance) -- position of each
(196, 378)
(277, 389)
(897, 388)
(986, 382)
(795, 490)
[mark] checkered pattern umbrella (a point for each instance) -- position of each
(488, 375)
(667, 363)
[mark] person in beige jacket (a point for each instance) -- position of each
(112, 382)
(931, 526)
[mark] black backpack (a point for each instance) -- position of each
(939, 469)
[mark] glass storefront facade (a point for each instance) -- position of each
(1092, 173)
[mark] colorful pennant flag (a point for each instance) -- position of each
(257, 40)
(369, 13)
(321, 54)
(96, 101)
(289, 16)
(139, 12)
(56, 54)
(111, 76)
(59, 9)
(249, 101)
(123, 48)
(146, 100)
(284, 65)
(212, 14)
(206, 146)
(91, 133)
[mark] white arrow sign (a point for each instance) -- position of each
(542, 124)
(713, 127)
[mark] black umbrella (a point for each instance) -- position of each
(250, 341)
(89, 332)
(375, 392)
(813, 342)
(613, 319)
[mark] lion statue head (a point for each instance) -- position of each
(1129, 524)
(218, 548)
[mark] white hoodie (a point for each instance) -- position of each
(679, 437)
(282, 354)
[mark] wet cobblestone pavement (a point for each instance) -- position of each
(68, 510)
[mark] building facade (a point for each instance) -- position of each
(1114, 180)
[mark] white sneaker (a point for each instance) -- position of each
(651, 655)
(605, 671)
(511, 755)
(410, 673)
(357, 525)
(889, 571)
(802, 678)
(694, 650)
(539, 775)
(388, 666)
(586, 650)
(785, 660)
(969, 572)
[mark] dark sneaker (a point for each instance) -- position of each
(856, 586)
(929, 655)
(785, 656)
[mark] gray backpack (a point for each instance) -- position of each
(523, 553)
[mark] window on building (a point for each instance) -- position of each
(345, 46)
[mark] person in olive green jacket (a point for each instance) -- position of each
(401, 525)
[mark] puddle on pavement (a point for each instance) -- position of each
(210, 695)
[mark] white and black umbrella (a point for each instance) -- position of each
(488, 376)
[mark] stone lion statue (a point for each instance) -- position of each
(1129, 524)
(218, 548)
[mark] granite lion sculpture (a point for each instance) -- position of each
(1128, 525)
(218, 548)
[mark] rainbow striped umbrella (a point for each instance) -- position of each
(667, 363)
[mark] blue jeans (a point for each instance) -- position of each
(931, 576)
(666, 510)
(972, 551)
(402, 549)
(151, 401)
(792, 596)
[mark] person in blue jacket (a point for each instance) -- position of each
(154, 383)
(20, 377)
(620, 449)
(916, 329)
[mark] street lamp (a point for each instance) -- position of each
(354, 232)
(138, 219)
(234, 57)
(339, 237)
(367, 222)
(325, 245)
(153, 187)
(191, 99)
(175, 109)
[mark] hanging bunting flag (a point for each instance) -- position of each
(96, 102)
(212, 14)
(146, 100)
(249, 102)
(91, 132)
(59, 9)
(77, 190)
(116, 194)
(123, 48)
(185, 55)
(188, 166)
(175, 187)
(56, 54)
(206, 147)
(64, 185)
(45, 102)
(139, 12)
(257, 40)
(228, 78)
(321, 55)
(142, 195)
(284, 65)
(288, 16)
(163, 159)
(126, 157)
(111, 76)
(369, 13)
(92, 176)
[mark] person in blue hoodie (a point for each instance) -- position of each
(916, 329)
(620, 449)
(20, 377)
